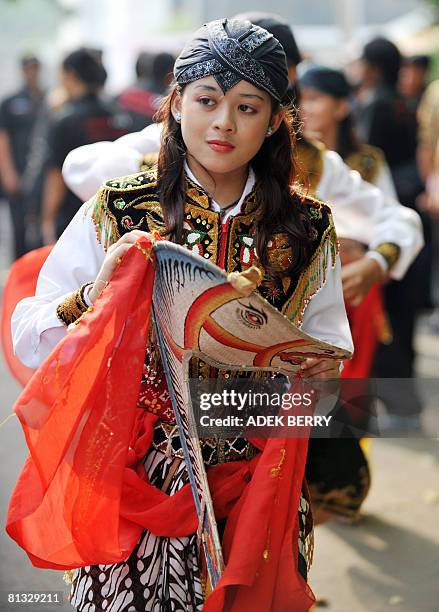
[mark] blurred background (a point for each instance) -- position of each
(329, 29)
(389, 559)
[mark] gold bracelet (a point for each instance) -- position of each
(73, 306)
(390, 252)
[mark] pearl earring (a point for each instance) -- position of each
(269, 131)
(178, 117)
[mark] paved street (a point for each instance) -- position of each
(388, 561)
(16, 572)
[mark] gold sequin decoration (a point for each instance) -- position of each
(389, 251)
(73, 306)
(368, 161)
(309, 164)
(314, 276)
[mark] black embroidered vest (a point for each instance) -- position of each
(132, 202)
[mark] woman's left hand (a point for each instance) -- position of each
(320, 368)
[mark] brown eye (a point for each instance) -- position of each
(246, 109)
(205, 101)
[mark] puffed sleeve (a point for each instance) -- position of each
(325, 315)
(384, 182)
(87, 167)
(363, 213)
(75, 259)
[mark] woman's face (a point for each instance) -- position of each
(320, 112)
(223, 132)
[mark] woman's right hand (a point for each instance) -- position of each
(115, 252)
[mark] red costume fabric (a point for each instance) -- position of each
(20, 283)
(83, 497)
(368, 323)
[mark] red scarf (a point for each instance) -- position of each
(83, 497)
(20, 283)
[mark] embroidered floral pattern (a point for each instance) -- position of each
(203, 233)
(247, 254)
(195, 239)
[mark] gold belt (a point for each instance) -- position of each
(215, 450)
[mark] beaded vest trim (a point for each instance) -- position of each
(132, 202)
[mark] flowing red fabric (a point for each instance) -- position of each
(367, 322)
(83, 497)
(20, 283)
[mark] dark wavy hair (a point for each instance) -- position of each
(384, 55)
(86, 64)
(279, 210)
(347, 139)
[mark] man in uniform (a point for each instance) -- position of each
(23, 132)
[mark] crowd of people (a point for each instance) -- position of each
(39, 128)
(374, 128)
(366, 141)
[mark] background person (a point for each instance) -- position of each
(142, 100)
(23, 141)
(384, 120)
(413, 79)
(86, 117)
(326, 112)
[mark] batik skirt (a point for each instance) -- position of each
(164, 574)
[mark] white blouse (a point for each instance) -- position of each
(361, 211)
(77, 257)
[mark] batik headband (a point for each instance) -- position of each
(232, 50)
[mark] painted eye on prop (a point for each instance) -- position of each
(293, 358)
(251, 316)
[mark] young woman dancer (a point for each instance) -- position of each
(222, 189)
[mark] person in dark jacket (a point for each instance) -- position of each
(23, 134)
(142, 99)
(84, 119)
(384, 120)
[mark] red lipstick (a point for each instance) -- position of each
(220, 146)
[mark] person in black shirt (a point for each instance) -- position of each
(413, 79)
(142, 100)
(385, 121)
(381, 116)
(84, 119)
(23, 133)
